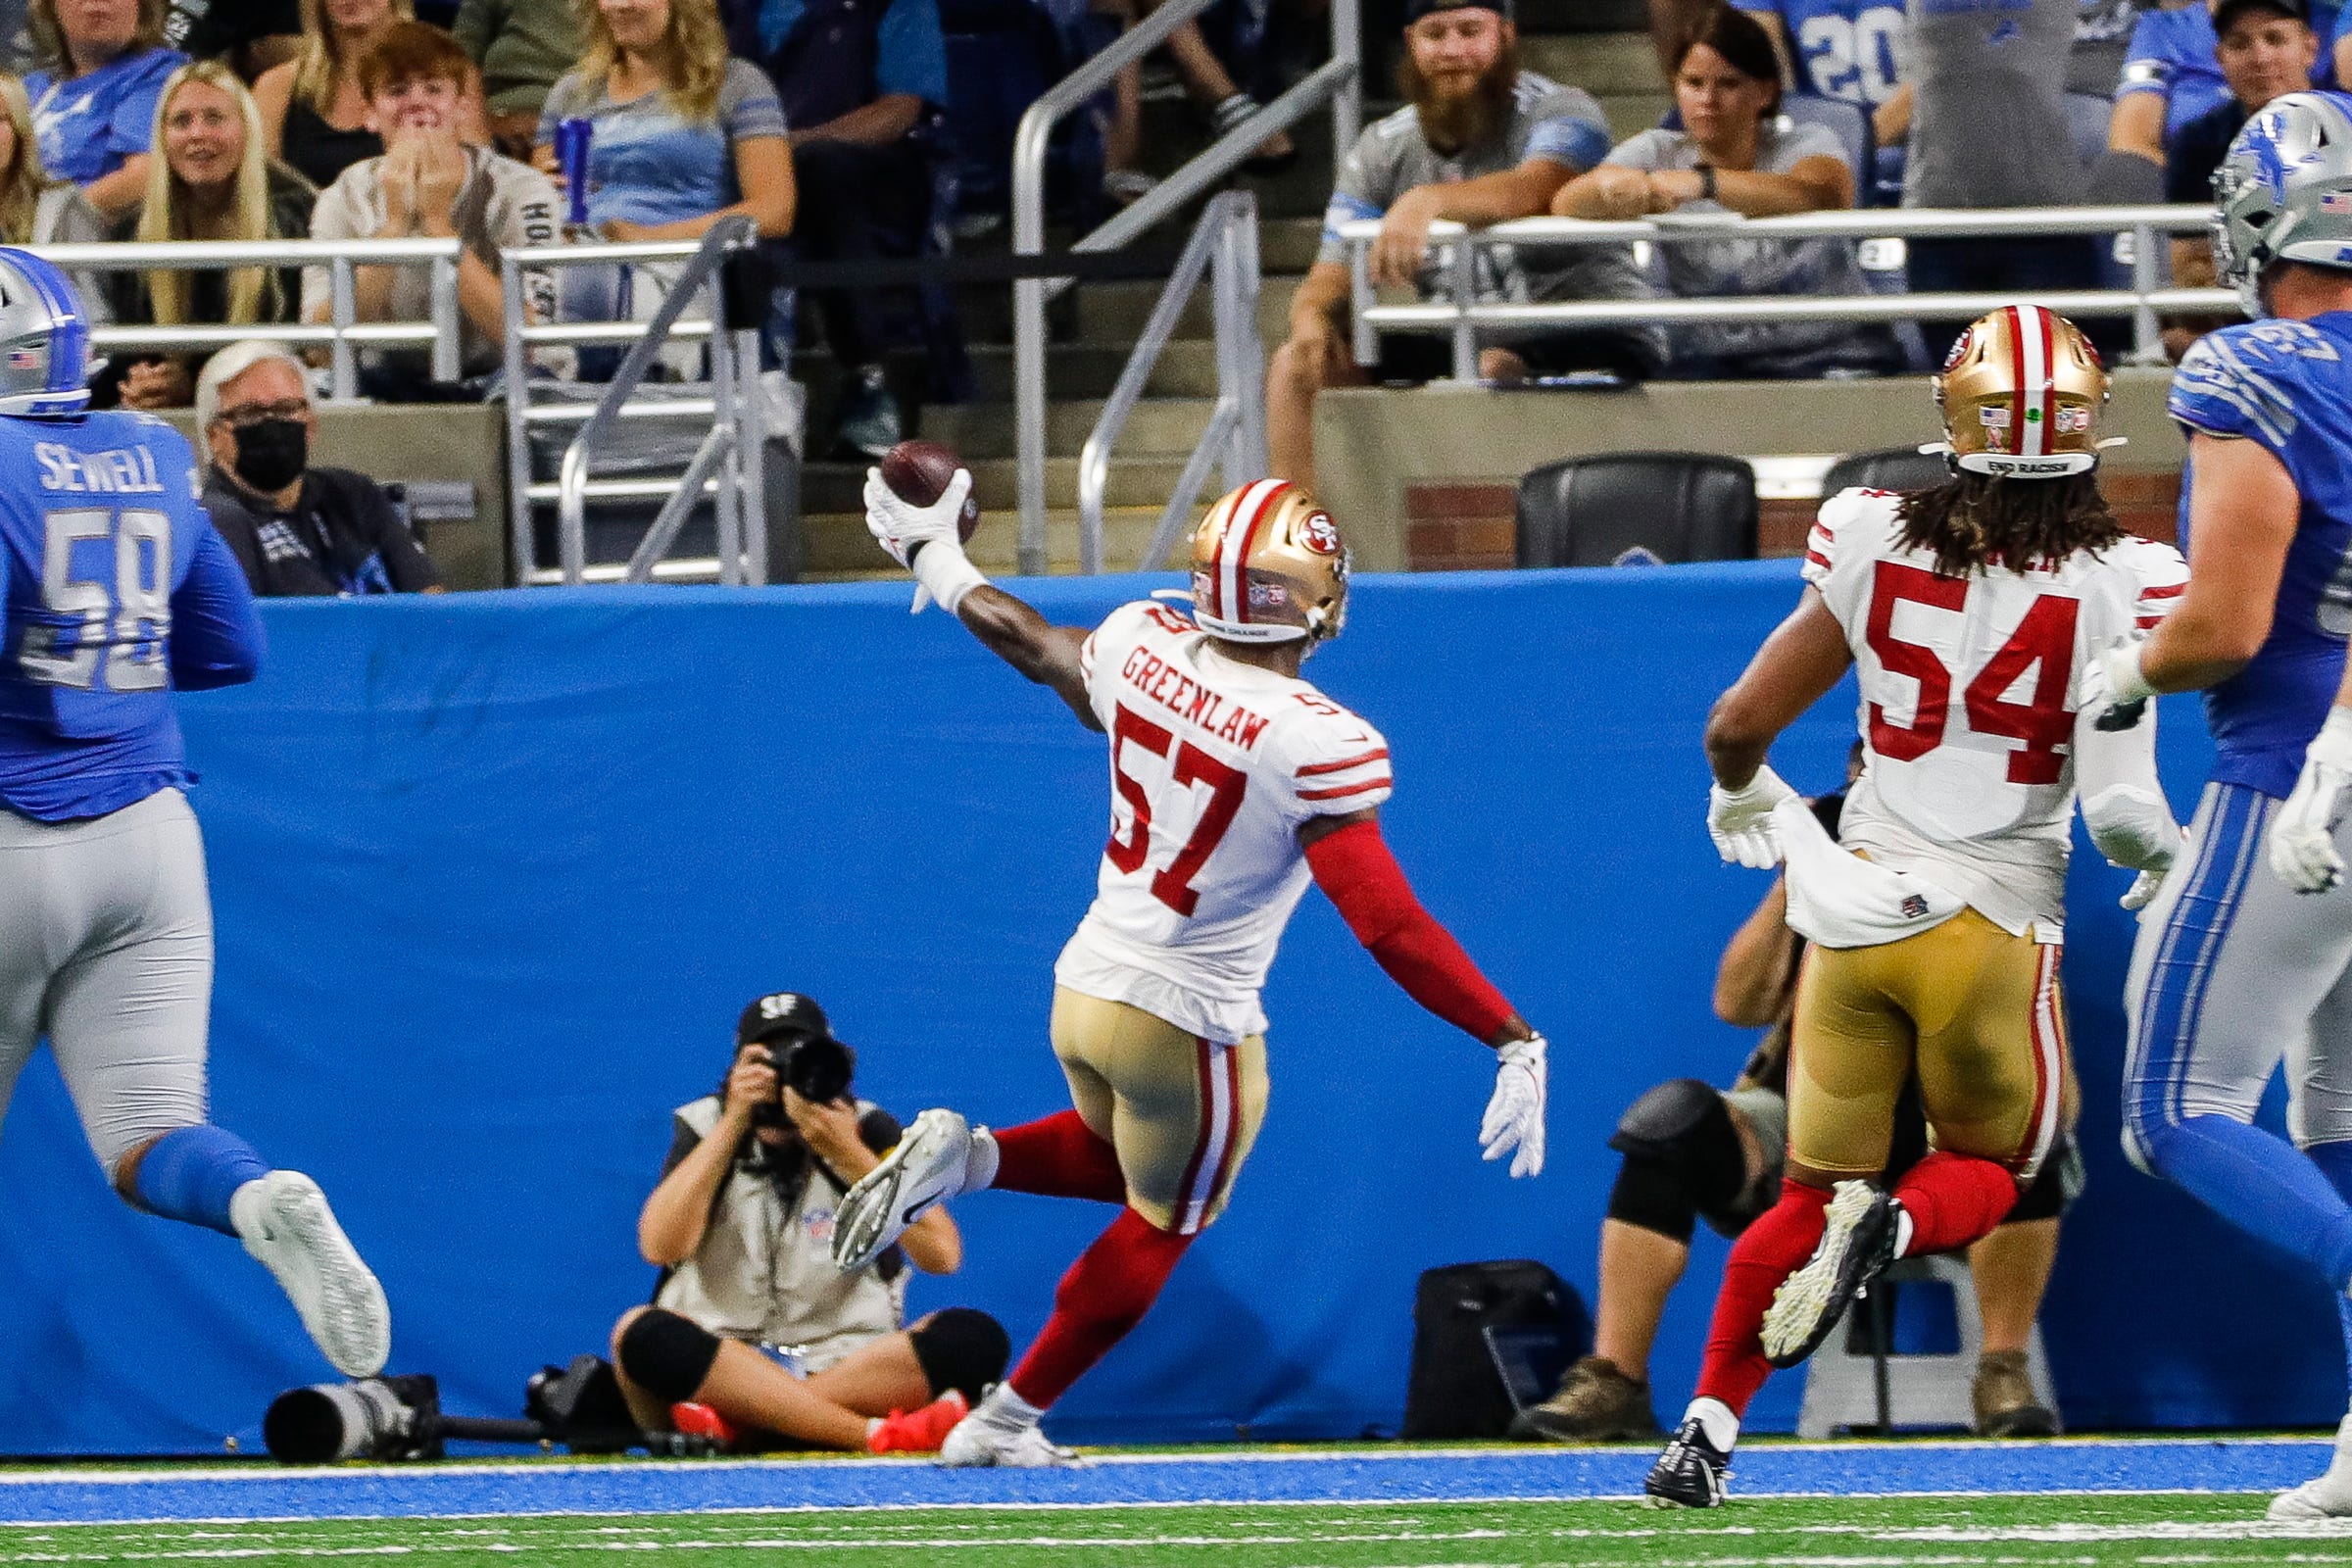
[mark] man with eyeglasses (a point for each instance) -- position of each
(295, 528)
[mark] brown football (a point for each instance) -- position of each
(919, 471)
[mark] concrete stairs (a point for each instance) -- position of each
(1586, 43)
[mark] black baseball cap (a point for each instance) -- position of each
(2227, 14)
(1415, 9)
(780, 1014)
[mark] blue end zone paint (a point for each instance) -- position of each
(1852, 1469)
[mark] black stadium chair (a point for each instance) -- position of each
(1894, 468)
(1636, 508)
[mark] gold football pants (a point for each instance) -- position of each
(1181, 1111)
(1973, 1011)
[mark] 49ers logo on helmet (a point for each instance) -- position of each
(1320, 534)
(1960, 347)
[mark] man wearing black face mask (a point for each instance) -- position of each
(296, 529)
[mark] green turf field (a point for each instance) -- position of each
(2174, 1530)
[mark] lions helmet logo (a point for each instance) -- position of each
(1320, 534)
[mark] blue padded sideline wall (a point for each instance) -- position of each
(494, 873)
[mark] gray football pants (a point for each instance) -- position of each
(2233, 974)
(106, 947)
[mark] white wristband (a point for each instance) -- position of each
(941, 567)
(2124, 677)
(2331, 747)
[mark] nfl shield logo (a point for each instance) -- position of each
(1914, 907)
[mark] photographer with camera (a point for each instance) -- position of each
(753, 1339)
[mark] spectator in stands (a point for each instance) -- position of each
(524, 48)
(35, 206)
(212, 181)
(1989, 130)
(1212, 89)
(253, 35)
(313, 107)
(683, 135)
(1850, 50)
(103, 67)
(1693, 1152)
(297, 529)
(741, 1226)
(1735, 154)
(419, 85)
(854, 81)
(2171, 77)
(2267, 50)
(1478, 141)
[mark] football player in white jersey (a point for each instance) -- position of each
(1234, 782)
(1971, 613)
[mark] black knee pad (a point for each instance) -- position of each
(2054, 1186)
(964, 1349)
(1685, 1124)
(666, 1355)
(1652, 1194)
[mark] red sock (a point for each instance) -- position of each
(1767, 1252)
(1103, 1295)
(1955, 1199)
(1059, 1157)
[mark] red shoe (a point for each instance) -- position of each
(919, 1431)
(701, 1421)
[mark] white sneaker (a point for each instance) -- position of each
(979, 1441)
(2327, 1495)
(927, 1165)
(286, 1222)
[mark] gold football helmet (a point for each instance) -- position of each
(1269, 567)
(2021, 393)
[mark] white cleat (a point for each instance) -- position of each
(286, 1224)
(927, 1165)
(978, 1442)
(2327, 1495)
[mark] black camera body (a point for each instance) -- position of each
(817, 1067)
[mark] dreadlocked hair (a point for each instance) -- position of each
(1976, 521)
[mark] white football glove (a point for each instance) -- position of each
(898, 525)
(2302, 846)
(2143, 889)
(1514, 1119)
(2113, 681)
(1740, 821)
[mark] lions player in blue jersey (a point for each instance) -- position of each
(2234, 971)
(115, 590)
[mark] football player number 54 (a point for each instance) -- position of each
(1189, 765)
(2043, 642)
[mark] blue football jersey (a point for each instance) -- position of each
(1844, 49)
(115, 588)
(2288, 385)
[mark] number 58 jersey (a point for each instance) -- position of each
(1214, 766)
(1969, 690)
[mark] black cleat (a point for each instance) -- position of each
(1690, 1472)
(1857, 1243)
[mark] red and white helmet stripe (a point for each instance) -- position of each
(1227, 610)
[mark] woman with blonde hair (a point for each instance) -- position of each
(211, 181)
(682, 135)
(103, 66)
(35, 206)
(312, 106)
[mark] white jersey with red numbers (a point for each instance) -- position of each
(1214, 764)
(1969, 697)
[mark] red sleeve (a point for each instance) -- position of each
(1355, 871)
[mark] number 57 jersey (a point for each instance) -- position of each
(1969, 690)
(1214, 766)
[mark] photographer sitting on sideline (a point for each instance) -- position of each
(754, 1338)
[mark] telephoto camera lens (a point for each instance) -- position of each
(331, 1421)
(817, 1068)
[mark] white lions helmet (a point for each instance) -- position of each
(2284, 192)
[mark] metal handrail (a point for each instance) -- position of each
(2144, 300)
(1223, 247)
(341, 334)
(725, 237)
(1336, 82)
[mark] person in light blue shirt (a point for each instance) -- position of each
(115, 592)
(103, 69)
(2173, 73)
